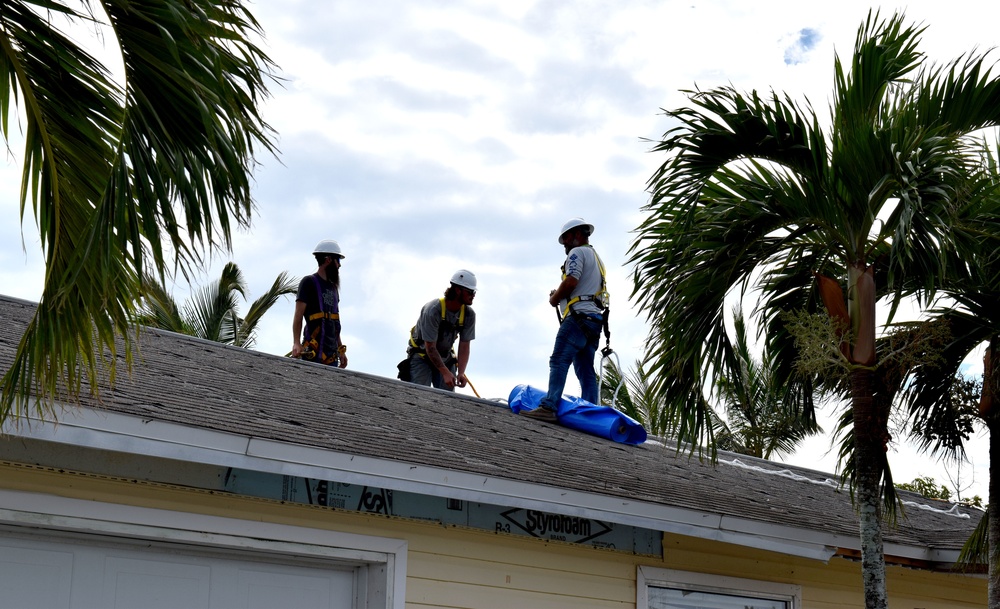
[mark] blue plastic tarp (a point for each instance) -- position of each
(579, 414)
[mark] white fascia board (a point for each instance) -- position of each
(77, 423)
(927, 554)
(102, 430)
(811, 536)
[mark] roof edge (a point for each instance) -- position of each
(102, 430)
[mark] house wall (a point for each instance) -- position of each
(451, 566)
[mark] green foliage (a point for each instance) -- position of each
(976, 501)
(755, 195)
(760, 419)
(631, 394)
(945, 428)
(116, 171)
(817, 339)
(212, 312)
(756, 420)
(928, 487)
(975, 551)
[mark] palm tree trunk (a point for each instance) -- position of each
(993, 513)
(987, 405)
(868, 458)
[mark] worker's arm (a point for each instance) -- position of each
(463, 361)
(435, 360)
(563, 291)
(300, 312)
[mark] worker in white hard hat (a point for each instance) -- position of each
(582, 301)
(430, 356)
(317, 302)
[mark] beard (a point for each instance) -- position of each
(333, 274)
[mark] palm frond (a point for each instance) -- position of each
(975, 550)
(112, 171)
(159, 309)
(718, 214)
(283, 284)
(214, 308)
(212, 311)
(73, 114)
(762, 417)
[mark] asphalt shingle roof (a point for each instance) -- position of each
(206, 385)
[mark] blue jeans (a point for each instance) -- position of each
(422, 373)
(575, 346)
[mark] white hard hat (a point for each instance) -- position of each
(328, 246)
(573, 223)
(465, 279)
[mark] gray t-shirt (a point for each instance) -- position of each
(582, 263)
(430, 327)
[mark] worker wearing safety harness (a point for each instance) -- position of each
(582, 301)
(318, 303)
(432, 360)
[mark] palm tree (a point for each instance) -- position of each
(938, 399)
(114, 171)
(212, 312)
(754, 193)
(638, 400)
(759, 421)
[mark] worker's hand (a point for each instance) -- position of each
(296, 349)
(343, 360)
(448, 378)
(552, 299)
(461, 381)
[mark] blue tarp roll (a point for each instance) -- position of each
(581, 415)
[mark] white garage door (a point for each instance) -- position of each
(56, 571)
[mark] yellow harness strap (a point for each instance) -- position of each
(603, 292)
(316, 316)
(461, 314)
(461, 322)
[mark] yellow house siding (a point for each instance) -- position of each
(455, 567)
(447, 566)
(825, 585)
(497, 570)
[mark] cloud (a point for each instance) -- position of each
(797, 52)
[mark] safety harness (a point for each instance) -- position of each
(602, 299)
(314, 340)
(420, 349)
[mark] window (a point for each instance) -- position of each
(671, 589)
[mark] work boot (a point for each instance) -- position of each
(542, 414)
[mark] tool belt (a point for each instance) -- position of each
(311, 350)
(449, 360)
(403, 367)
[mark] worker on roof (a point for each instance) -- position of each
(582, 300)
(431, 359)
(318, 303)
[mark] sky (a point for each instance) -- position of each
(433, 136)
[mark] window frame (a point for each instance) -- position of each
(656, 577)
